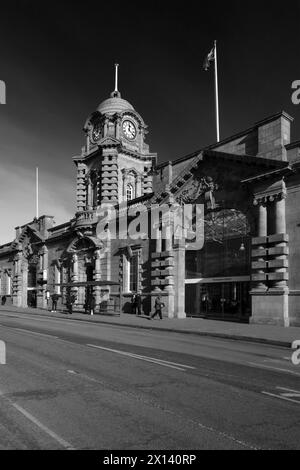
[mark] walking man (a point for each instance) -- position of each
(133, 304)
(73, 299)
(138, 302)
(157, 307)
(92, 305)
(54, 301)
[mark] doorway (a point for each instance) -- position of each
(220, 300)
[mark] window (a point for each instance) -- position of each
(130, 273)
(129, 192)
(6, 284)
(133, 273)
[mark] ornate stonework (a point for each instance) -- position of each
(203, 187)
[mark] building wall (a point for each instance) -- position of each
(293, 230)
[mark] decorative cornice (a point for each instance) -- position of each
(275, 192)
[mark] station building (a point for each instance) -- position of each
(248, 267)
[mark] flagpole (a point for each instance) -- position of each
(217, 94)
(37, 191)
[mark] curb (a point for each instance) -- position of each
(232, 337)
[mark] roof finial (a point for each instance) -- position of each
(116, 78)
(116, 93)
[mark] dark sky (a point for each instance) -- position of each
(57, 61)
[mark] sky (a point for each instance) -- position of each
(57, 60)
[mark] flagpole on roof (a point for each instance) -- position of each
(217, 93)
(37, 192)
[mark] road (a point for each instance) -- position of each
(70, 384)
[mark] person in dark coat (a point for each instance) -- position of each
(3, 300)
(72, 301)
(92, 305)
(133, 304)
(54, 298)
(158, 305)
(138, 302)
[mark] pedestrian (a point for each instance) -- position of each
(138, 302)
(3, 300)
(133, 304)
(157, 307)
(72, 301)
(92, 305)
(54, 298)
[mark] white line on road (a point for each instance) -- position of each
(34, 332)
(40, 425)
(281, 397)
(161, 362)
(273, 368)
(289, 390)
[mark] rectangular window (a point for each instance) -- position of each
(133, 273)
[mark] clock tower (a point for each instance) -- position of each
(115, 163)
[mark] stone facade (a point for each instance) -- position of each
(248, 267)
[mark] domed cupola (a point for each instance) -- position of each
(116, 119)
(114, 104)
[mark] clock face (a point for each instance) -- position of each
(96, 132)
(129, 130)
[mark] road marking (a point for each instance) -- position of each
(40, 425)
(291, 393)
(84, 376)
(161, 362)
(273, 368)
(34, 332)
(281, 397)
(283, 359)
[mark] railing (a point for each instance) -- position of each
(86, 217)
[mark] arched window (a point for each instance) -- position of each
(129, 192)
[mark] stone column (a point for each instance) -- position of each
(105, 127)
(43, 277)
(138, 186)
(158, 251)
(270, 306)
(158, 240)
(75, 274)
(260, 263)
(179, 279)
(118, 125)
(97, 276)
(89, 195)
(168, 269)
(17, 279)
(279, 241)
(125, 182)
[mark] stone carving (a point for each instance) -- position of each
(205, 186)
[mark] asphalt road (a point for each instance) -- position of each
(75, 385)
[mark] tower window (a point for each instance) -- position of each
(129, 192)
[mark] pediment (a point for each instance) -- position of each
(28, 235)
(211, 172)
(109, 141)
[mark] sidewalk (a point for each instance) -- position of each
(273, 335)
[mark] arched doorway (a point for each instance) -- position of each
(81, 264)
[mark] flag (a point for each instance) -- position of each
(209, 58)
